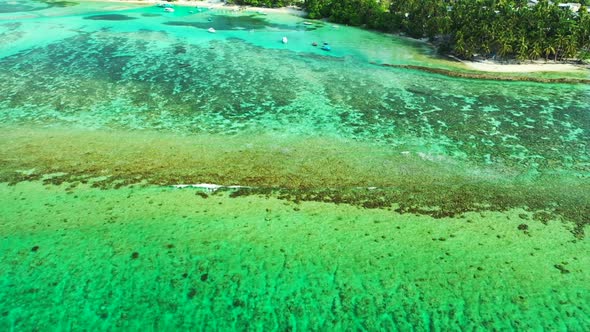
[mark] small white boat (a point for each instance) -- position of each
(211, 30)
(285, 40)
(169, 10)
(307, 23)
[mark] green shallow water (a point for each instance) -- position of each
(372, 197)
(167, 259)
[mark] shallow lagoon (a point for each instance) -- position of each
(376, 198)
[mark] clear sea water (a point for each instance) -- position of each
(370, 197)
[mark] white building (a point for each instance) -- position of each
(573, 6)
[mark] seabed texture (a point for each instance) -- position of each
(354, 196)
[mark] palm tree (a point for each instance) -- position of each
(505, 48)
(560, 41)
(459, 44)
(570, 49)
(535, 51)
(549, 49)
(522, 50)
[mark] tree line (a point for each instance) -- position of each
(504, 29)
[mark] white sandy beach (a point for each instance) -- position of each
(493, 66)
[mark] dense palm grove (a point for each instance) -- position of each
(489, 28)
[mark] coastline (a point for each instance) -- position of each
(535, 66)
(493, 76)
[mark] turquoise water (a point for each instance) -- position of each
(370, 197)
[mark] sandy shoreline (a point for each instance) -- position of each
(496, 67)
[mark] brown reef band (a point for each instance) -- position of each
(437, 201)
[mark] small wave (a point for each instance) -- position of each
(207, 186)
(211, 187)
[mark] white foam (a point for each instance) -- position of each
(214, 187)
(207, 186)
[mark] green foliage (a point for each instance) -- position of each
(488, 28)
